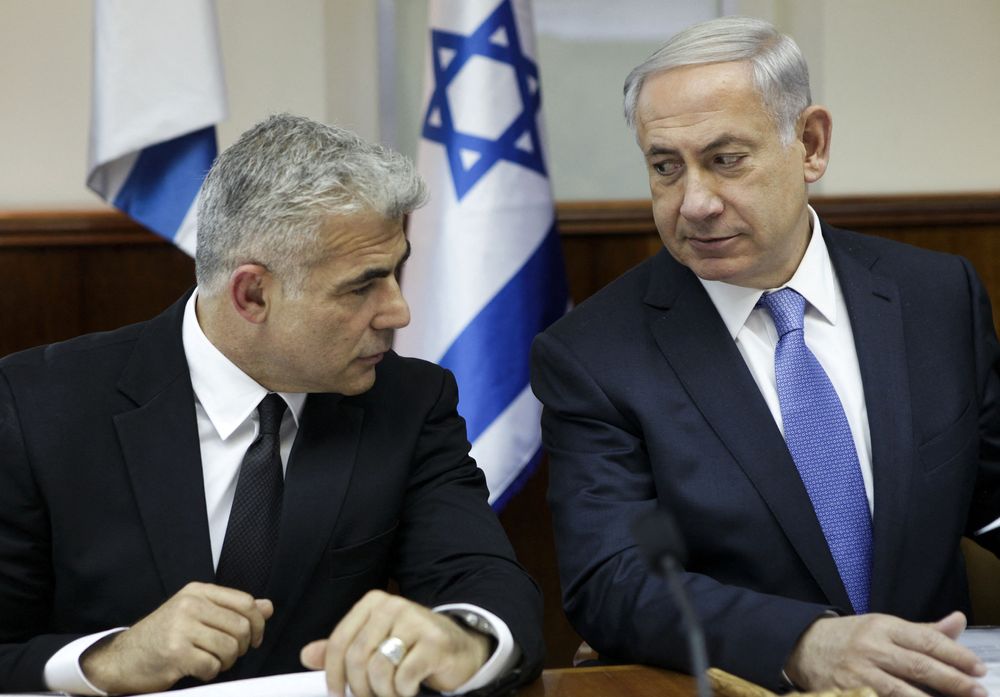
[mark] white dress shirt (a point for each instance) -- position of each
(828, 335)
(226, 402)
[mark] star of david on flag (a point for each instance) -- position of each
(471, 156)
(486, 273)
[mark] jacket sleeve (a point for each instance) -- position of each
(451, 547)
(27, 640)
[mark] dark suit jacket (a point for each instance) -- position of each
(648, 402)
(102, 506)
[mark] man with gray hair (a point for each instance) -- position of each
(819, 419)
(227, 489)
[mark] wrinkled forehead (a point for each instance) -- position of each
(361, 235)
(700, 99)
(697, 87)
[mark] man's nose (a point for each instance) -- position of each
(394, 311)
(700, 199)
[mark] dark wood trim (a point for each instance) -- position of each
(84, 228)
(575, 218)
(604, 217)
(932, 210)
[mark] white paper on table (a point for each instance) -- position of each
(308, 684)
(985, 643)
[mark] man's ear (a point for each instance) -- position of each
(816, 126)
(250, 289)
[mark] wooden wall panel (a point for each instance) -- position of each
(66, 273)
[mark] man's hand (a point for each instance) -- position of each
(200, 631)
(890, 655)
(439, 652)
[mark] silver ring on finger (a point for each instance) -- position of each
(393, 649)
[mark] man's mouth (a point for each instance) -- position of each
(371, 359)
(708, 243)
(373, 356)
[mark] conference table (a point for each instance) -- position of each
(643, 681)
(610, 681)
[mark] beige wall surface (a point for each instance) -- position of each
(275, 60)
(44, 102)
(914, 86)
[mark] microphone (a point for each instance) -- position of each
(663, 548)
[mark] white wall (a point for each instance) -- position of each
(914, 86)
(275, 56)
(44, 97)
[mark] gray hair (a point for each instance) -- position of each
(780, 73)
(269, 194)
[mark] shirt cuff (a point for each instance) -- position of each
(987, 528)
(63, 672)
(505, 655)
(784, 672)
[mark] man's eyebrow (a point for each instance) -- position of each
(655, 150)
(723, 141)
(376, 272)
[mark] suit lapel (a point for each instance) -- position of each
(694, 340)
(876, 320)
(316, 480)
(159, 441)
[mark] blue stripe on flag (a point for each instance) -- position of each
(165, 180)
(490, 357)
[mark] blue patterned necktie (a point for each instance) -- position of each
(819, 439)
(252, 533)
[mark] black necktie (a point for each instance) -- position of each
(252, 533)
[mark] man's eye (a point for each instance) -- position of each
(729, 160)
(666, 169)
(362, 290)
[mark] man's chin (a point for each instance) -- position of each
(360, 383)
(715, 270)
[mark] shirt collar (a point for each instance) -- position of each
(228, 395)
(813, 280)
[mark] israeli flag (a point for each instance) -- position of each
(486, 273)
(158, 91)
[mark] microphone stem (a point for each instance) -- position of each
(694, 633)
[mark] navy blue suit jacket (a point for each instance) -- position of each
(648, 402)
(103, 518)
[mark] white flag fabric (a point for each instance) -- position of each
(486, 273)
(158, 91)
